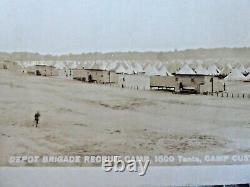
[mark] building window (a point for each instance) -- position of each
(176, 79)
(192, 80)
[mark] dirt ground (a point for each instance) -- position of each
(89, 119)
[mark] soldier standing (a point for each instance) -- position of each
(37, 116)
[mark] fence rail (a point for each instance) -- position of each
(232, 95)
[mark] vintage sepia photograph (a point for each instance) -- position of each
(125, 93)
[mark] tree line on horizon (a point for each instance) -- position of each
(195, 54)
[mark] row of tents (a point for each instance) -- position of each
(230, 73)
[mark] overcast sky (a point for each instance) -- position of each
(63, 26)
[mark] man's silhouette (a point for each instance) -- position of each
(37, 115)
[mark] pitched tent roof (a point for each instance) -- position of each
(73, 65)
(201, 70)
(119, 68)
(213, 70)
(79, 65)
(158, 64)
(186, 70)
(129, 69)
(173, 67)
(242, 69)
(193, 64)
(151, 70)
(98, 66)
(235, 75)
(248, 69)
(163, 71)
(226, 70)
(59, 65)
(89, 64)
(111, 65)
(137, 67)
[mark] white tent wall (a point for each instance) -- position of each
(137, 82)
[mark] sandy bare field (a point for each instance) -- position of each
(90, 119)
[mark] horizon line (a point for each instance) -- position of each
(126, 51)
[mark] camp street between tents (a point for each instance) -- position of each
(91, 119)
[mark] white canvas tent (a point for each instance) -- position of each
(79, 66)
(248, 69)
(186, 70)
(73, 65)
(235, 75)
(158, 64)
(89, 64)
(137, 67)
(201, 70)
(151, 70)
(173, 67)
(163, 71)
(242, 69)
(119, 69)
(98, 66)
(111, 66)
(59, 65)
(213, 70)
(129, 69)
(226, 70)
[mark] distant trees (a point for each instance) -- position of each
(240, 54)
